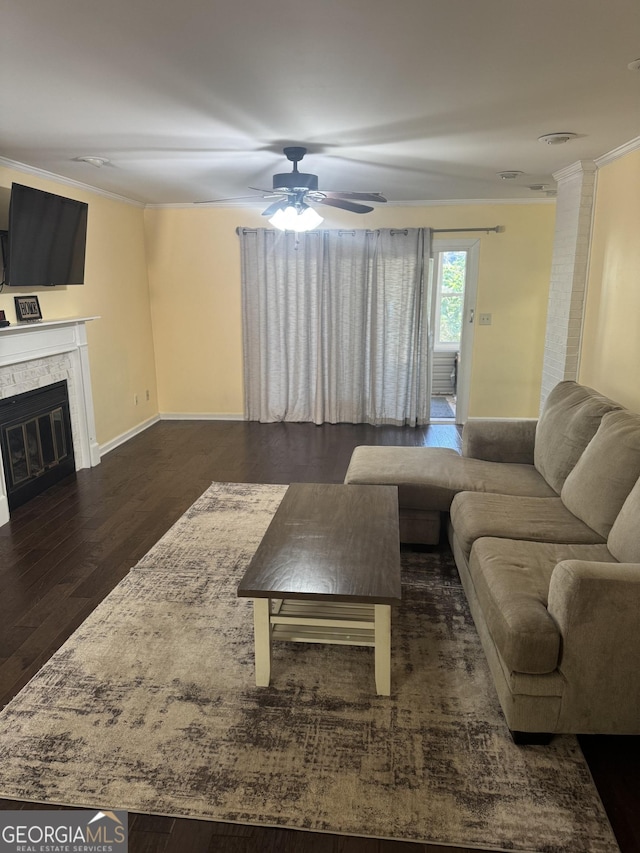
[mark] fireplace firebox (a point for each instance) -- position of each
(36, 439)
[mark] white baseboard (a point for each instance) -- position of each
(122, 439)
(4, 510)
(204, 416)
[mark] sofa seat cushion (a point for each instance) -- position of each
(606, 472)
(511, 580)
(430, 477)
(569, 420)
(478, 514)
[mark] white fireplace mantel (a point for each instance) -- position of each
(34, 355)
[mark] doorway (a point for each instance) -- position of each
(453, 297)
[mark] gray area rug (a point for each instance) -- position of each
(151, 706)
(440, 408)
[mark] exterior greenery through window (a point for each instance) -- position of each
(451, 282)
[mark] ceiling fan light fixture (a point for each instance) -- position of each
(292, 218)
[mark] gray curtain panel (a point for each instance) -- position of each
(335, 325)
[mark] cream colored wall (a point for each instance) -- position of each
(611, 338)
(116, 289)
(194, 279)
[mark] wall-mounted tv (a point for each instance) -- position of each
(45, 244)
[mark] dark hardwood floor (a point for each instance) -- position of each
(65, 550)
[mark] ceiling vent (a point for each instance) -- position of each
(557, 138)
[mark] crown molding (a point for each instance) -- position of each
(580, 167)
(617, 153)
(70, 182)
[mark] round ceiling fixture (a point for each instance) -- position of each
(98, 162)
(557, 138)
(510, 175)
(634, 66)
(538, 187)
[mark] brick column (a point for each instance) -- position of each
(576, 190)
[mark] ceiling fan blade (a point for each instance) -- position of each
(273, 208)
(356, 196)
(233, 198)
(263, 194)
(345, 205)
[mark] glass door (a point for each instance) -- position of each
(455, 264)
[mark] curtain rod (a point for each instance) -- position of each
(497, 228)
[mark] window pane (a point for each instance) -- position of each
(450, 318)
(452, 282)
(454, 266)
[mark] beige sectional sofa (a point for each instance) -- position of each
(543, 517)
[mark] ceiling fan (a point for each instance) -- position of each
(295, 191)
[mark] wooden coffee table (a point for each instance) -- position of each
(327, 571)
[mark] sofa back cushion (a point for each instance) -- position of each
(624, 539)
(606, 472)
(570, 418)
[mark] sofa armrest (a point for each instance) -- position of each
(500, 439)
(596, 607)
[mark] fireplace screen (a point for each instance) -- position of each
(35, 435)
(36, 445)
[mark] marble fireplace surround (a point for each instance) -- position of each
(34, 355)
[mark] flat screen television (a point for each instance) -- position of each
(45, 244)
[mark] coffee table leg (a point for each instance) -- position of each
(383, 648)
(262, 640)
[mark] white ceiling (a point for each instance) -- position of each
(418, 99)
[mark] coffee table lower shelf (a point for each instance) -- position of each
(315, 621)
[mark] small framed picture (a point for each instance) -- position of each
(27, 308)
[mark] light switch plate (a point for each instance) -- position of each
(484, 319)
